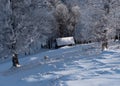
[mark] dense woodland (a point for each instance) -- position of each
(28, 25)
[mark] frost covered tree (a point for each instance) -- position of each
(94, 20)
(66, 17)
(108, 18)
(9, 33)
(33, 23)
(28, 24)
(99, 16)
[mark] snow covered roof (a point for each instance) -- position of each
(65, 41)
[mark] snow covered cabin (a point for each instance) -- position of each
(65, 41)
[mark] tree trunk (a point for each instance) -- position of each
(15, 60)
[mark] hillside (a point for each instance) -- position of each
(78, 65)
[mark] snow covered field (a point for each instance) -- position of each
(80, 65)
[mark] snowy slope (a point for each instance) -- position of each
(80, 65)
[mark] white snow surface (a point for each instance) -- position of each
(65, 41)
(79, 65)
